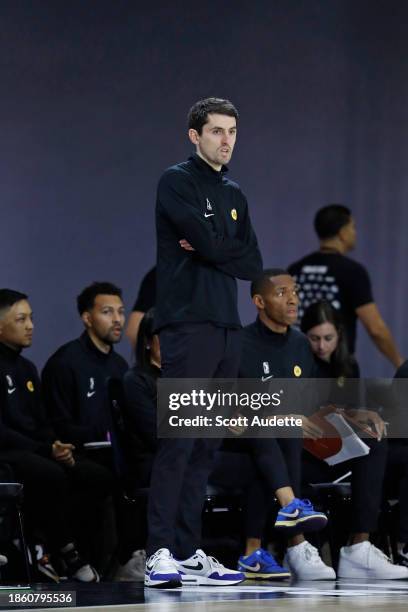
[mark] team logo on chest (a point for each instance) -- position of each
(91, 391)
(234, 214)
(297, 370)
(209, 212)
(30, 386)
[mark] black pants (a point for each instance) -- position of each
(181, 466)
(366, 482)
(50, 490)
(396, 482)
(276, 464)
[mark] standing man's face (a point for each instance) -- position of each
(16, 326)
(105, 320)
(216, 142)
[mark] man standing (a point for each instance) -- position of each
(328, 274)
(204, 242)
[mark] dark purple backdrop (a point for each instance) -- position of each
(93, 102)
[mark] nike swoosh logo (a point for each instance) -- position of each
(90, 393)
(254, 568)
(199, 566)
(294, 514)
(10, 391)
(265, 378)
(208, 215)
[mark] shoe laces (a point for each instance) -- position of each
(311, 553)
(267, 557)
(379, 553)
(305, 503)
(215, 563)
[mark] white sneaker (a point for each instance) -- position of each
(364, 560)
(200, 569)
(305, 563)
(134, 569)
(161, 570)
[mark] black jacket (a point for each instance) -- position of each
(75, 390)
(23, 425)
(200, 205)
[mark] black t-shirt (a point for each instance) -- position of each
(146, 297)
(337, 279)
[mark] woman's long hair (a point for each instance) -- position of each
(322, 312)
(144, 341)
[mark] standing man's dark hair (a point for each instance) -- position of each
(330, 219)
(205, 241)
(198, 114)
(9, 297)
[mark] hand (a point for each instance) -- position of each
(370, 419)
(186, 245)
(310, 429)
(63, 453)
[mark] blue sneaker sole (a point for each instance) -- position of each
(267, 576)
(304, 524)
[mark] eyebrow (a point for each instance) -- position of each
(218, 127)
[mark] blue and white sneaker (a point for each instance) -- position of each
(261, 565)
(300, 516)
(202, 570)
(161, 571)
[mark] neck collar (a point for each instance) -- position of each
(201, 165)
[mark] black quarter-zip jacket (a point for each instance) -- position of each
(200, 205)
(267, 355)
(23, 425)
(74, 382)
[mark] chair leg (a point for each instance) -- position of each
(23, 542)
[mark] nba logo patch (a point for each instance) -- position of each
(266, 368)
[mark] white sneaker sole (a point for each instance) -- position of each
(359, 572)
(205, 581)
(162, 584)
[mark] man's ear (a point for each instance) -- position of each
(86, 318)
(258, 301)
(342, 233)
(193, 136)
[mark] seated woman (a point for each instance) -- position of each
(360, 559)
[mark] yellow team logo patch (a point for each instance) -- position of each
(30, 386)
(297, 370)
(234, 214)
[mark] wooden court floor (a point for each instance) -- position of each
(339, 596)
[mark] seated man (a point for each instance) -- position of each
(75, 381)
(272, 348)
(43, 463)
(75, 376)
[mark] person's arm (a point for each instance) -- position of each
(61, 404)
(249, 266)
(176, 197)
(379, 333)
(132, 328)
